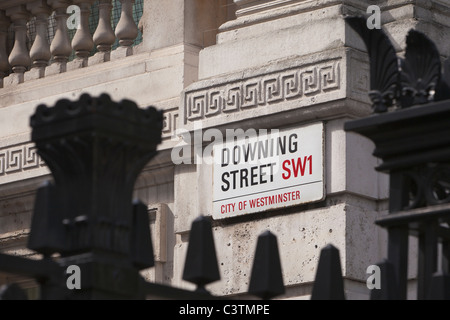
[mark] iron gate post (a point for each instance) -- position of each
(95, 149)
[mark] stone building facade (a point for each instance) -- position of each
(214, 64)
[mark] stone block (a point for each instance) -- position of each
(186, 191)
(99, 57)
(55, 68)
(34, 73)
(12, 80)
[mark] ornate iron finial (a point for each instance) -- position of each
(416, 80)
(384, 70)
(420, 70)
(95, 149)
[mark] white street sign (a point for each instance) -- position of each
(268, 171)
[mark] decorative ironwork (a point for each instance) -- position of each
(420, 70)
(428, 185)
(413, 145)
(415, 80)
(384, 76)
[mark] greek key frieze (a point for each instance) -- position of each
(262, 90)
(18, 158)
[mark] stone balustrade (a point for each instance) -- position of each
(50, 51)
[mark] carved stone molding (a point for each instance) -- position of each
(14, 241)
(263, 90)
(19, 161)
(170, 118)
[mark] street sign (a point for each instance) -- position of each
(268, 171)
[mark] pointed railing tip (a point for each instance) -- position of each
(388, 288)
(201, 267)
(328, 284)
(330, 247)
(266, 278)
(141, 241)
(46, 232)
